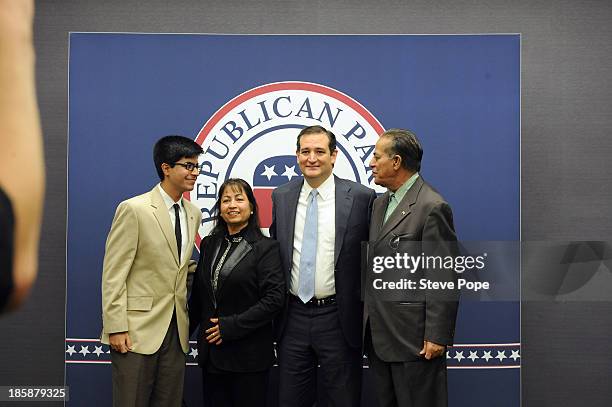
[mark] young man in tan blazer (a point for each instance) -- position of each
(144, 289)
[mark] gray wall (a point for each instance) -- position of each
(566, 165)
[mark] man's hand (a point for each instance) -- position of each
(214, 333)
(432, 350)
(120, 342)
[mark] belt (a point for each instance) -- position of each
(316, 302)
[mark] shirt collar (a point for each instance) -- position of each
(167, 199)
(401, 191)
(239, 234)
(325, 190)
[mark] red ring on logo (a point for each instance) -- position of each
(276, 86)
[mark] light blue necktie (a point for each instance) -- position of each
(308, 257)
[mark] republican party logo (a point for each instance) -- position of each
(253, 137)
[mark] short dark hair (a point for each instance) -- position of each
(253, 224)
(170, 149)
(316, 130)
(405, 144)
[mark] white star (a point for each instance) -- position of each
(515, 355)
(448, 355)
(459, 356)
(473, 355)
(269, 172)
(194, 352)
(487, 355)
(98, 351)
(84, 350)
(71, 350)
(501, 355)
(289, 172)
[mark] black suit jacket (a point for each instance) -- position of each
(399, 328)
(353, 209)
(250, 293)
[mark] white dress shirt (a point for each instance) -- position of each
(326, 238)
(182, 216)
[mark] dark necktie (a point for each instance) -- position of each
(177, 230)
(390, 207)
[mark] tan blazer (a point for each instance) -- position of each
(142, 280)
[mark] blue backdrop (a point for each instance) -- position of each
(459, 93)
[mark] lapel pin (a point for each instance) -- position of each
(403, 212)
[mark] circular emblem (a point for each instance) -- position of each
(253, 137)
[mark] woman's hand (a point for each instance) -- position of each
(214, 332)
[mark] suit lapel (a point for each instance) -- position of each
(401, 211)
(163, 219)
(190, 215)
(344, 204)
(378, 215)
(292, 197)
(213, 249)
(237, 255)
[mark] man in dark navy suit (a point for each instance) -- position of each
(320, 222)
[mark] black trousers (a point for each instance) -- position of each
(419, 383)
(233, 389)
(313, 337)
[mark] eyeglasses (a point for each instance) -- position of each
(188, 166)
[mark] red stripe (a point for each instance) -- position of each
(264, 202)
(272, 87)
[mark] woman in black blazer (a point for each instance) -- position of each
(238, 289)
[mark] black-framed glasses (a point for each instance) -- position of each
(188, 166)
